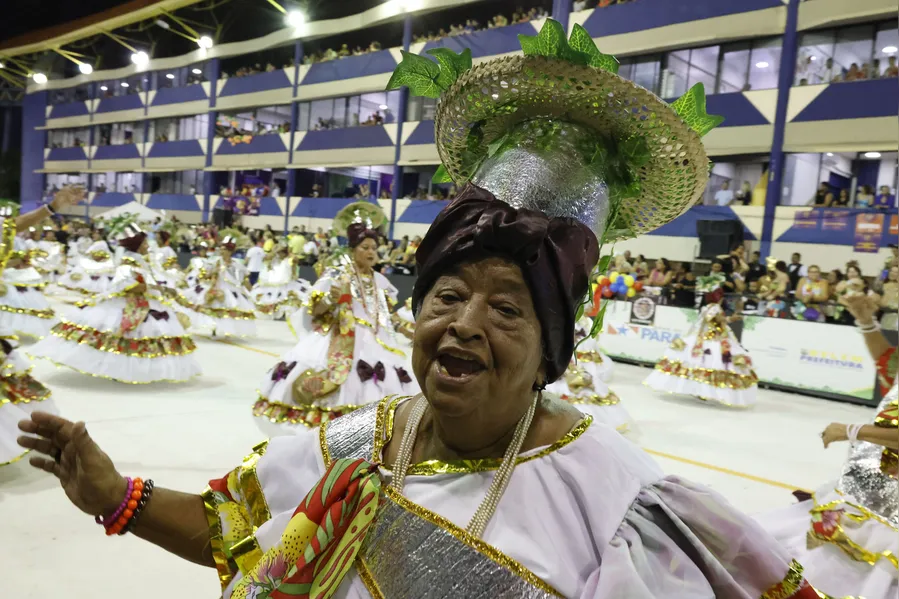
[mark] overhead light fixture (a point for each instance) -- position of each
(829, 154)
(103, 88)
(161, 23)
(39, 78)
(383, 106)
(813, 57)
(872, 154)
(761, 65)
(140, 58)
(205, 42)
(295, 18)
(197, 71)
(2, 65)
(125, 84)
(169, 76)
(890, 50)
(85, 68)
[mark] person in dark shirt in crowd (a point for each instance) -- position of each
(795, 270)
(757, 270)
(683, 290)
(823, 197)
(884, 199)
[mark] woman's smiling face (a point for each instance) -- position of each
(477, 345)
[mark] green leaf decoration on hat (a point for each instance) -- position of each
(579, 49)
(452, 65)
(691, 108)
(427, 78)
(419, 74)
(441, 175)
(581, 41)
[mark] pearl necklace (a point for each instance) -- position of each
(500, 480)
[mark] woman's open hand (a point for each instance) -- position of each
(833, 433)
(85, 472)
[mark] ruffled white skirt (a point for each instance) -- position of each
(21, 396)
(25, 311)
(706, 376)
(279, 301)
(231, 312)
(89, 341)
(828, 567)
(77, 279)
(583, 387)
(278, 414)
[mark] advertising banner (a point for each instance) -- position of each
(622, 338)
(894, 227)
(812, 356)
(868, 231)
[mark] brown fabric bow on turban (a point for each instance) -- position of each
(357, 233)
(556, 256)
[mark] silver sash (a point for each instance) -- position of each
(412, 552)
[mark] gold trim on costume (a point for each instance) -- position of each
(109, 378)
(45, 314)
(708, 376)
(371, 585)
(593, 400)
(485, 549)
(790, 584)
(589, 356)
(216, 543)
(251, 489)
(133, 347)
(309, 415)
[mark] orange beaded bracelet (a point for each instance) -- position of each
(132, 502)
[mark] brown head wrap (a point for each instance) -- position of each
(357, 233)
(556, 256)
(133, 243)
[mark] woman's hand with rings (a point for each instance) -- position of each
(85, 472)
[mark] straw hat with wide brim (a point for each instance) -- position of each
(556, 129)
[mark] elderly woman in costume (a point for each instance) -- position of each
(216, 299)
(127, 335)
(348, 353)
(481, 486)
(708, 362)
(846, 532)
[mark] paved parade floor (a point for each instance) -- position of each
(183, 435)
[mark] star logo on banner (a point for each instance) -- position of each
(623, 330)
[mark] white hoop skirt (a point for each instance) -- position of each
(20, 394)
(96, 280)
(280, 410)
(582, 386)
(89, 341)
(280, 301)
(713, 372)
(23, 308)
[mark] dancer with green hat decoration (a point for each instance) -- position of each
(348, 353)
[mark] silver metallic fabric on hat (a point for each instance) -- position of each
(546, 174)
(863, 479)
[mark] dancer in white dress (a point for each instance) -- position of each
(348, 353)
(49, 256)
(23, 308)
(708, 363)
(846, 534)
(216, 299)
(164, 262)
(279, 293)
(93, 272)
(128, 335)
(20, 394)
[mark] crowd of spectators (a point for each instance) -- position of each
(255, 70)
(435, 193)
(344, 52)
(809, 71)
(471, 25)
(580, 5)
(233, 130)
(777, 289)
(828, 197)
